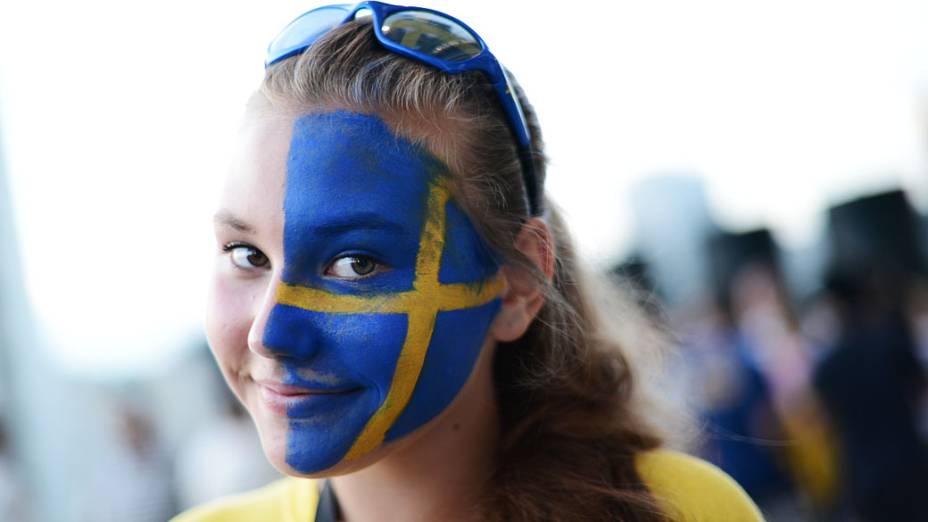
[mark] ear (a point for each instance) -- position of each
(524, 294)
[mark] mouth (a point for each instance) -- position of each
(288, 400)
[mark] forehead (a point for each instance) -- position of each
(341, 161)
(320, 166)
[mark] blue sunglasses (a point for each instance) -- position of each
(429, 36)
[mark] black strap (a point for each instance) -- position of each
(328, 509)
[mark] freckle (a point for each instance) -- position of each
(456, 426)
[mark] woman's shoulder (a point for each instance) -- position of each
(692, 490)
(285, 500)
(688, 489)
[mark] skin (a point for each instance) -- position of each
(436, 471)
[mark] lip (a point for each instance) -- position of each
(285, 399)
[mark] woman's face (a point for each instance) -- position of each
(351, 296)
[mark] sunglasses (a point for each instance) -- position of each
(430, 37)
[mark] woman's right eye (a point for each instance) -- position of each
(246, 257)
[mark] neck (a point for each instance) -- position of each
(438, 473)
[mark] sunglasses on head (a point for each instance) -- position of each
(429, 36)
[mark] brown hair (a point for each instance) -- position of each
(569, 401)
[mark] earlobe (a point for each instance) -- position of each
(524, 294)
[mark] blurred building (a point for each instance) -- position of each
(672, 220)
(41, 413)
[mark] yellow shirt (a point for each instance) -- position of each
(688, 489)
(692, 490)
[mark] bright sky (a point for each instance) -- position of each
(117, 117)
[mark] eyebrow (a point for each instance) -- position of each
(363, 220)
(344, 224)
(227, 218)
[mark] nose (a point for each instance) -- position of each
(280, 331)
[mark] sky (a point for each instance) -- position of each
(117, 120)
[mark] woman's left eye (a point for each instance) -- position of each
(353, 267)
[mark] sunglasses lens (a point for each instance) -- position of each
(431, 34)
(305, 30)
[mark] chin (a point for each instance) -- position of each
(273, 442)
(276, 451)
(386, 450)
(277, 443)
(343, 467)
(301, 456)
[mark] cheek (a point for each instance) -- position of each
(454, 347)
(229, 315)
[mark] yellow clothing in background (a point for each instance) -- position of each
(688, 489)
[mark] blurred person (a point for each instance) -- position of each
(748, 363)
(776, 346)
(398, 307)
(871, 381)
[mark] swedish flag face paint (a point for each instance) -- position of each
(385, 295)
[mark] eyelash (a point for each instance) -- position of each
(231, 248)
(375, 268)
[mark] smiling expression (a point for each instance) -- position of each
(373, 316)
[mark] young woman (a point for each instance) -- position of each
(399, 309)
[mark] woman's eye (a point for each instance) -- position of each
(246, 257)
(353, 267)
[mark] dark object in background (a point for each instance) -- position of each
(871, 380)
(636, 271)
(874, 233)
(869, 384)
(634, 275)
(731, 253)
(875, 252)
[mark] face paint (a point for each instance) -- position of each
(389, 351)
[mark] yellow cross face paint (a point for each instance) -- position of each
(396, 330)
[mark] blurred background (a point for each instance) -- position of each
(758, 172)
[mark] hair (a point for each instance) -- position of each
(570, 404)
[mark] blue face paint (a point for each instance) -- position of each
(411, 332)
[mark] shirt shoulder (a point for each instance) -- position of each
(692, 490)
(286, 500)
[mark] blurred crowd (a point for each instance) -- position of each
(148, 449)
(805, 370)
